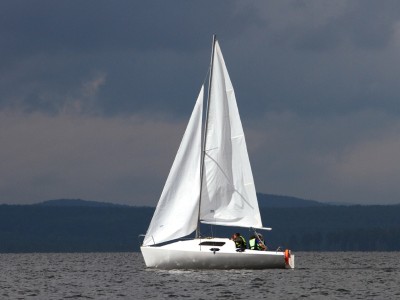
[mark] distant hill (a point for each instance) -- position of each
(78, 202)
(264, 200)
(268, 200)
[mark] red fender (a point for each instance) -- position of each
(287, 256)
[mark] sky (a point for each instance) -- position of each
(95, 95)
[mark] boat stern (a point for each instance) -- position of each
(289, 259)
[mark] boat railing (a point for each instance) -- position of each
(141, 238)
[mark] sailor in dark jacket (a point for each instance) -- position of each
(240, 241)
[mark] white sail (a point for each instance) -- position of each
(177, 210)
(228, 193)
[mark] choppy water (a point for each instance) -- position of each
(343, 275)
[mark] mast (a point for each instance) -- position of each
(203, 152)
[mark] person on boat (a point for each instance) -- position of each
(240, 241)
(256, 242)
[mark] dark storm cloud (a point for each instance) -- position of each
(49, 26)
(322, 57)
(308, 57)
(364, 25)
(62, 44)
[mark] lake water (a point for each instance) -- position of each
(335, 275)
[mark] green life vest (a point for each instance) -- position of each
(254, 245)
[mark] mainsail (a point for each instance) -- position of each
(228, 195)
(177, 210)
(228, 192)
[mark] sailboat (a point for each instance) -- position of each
(210, 182)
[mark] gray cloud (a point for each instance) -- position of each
(350, 158)
(114, 159)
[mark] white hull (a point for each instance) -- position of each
(212, 254)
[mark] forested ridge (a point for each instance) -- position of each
(45, 228)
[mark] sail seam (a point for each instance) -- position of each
(212, 149)
(237, 136)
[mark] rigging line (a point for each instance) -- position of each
(205, 133)
(205, 77)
